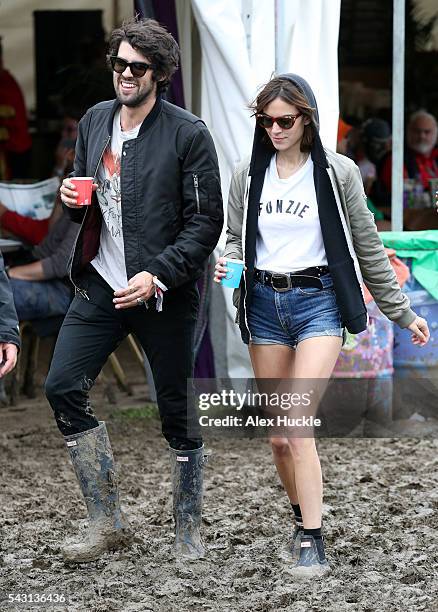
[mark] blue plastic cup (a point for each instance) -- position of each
(234, 274)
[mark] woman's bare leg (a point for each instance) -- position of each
(315, 359)
(277, 361)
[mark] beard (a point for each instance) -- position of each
(423, 148)
(131, 100)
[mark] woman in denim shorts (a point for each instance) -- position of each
(297, 216)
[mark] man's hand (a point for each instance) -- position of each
(420, 331)
(140, 288)
(8, 354)
(68, 194)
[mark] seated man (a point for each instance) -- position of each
(40, 288)
(421, 154)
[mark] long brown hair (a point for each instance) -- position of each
(280, 87)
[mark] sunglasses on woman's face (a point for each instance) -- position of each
(119, 65)
(285, 122)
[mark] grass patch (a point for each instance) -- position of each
(136, 413)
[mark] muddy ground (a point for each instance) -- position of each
(380, 518)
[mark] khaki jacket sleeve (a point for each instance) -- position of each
(233, 247)
(376, 269)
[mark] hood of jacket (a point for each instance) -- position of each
(262, 151)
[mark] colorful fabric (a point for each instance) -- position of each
(32, 231)
(422, 248)
(13, 117)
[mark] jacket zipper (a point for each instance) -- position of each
(196, 185)
(101, 155)
(82, 292)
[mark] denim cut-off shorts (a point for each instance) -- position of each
(292, 316)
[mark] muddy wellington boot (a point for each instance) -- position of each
(312, 562)
(93, 462)
(187, 487)
(295, 544)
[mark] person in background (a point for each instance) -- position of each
(33, 231)
(373, 150)
(65, 150)
(38, 276)
(421, 153)
(15, 140)
(366, 144)
(356, 152)
(342, 138)
(40, 287)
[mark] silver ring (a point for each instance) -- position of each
(140, 301)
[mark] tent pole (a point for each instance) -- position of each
(398, 88)
(116, 14)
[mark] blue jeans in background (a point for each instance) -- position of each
(40, 299)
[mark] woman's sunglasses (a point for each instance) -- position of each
(285, 122)
(119, 65)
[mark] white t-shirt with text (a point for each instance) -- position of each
(289, 234)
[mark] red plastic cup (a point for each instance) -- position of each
(84, 187)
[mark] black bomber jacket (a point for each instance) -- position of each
(172, 211)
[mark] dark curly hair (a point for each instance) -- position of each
(287, 91)
(154, 42)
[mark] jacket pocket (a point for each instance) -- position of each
(208, 195)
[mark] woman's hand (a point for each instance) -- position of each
(220, 270)
(420, 331)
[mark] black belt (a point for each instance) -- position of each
(310, 277)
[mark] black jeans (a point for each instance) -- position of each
(91, 331)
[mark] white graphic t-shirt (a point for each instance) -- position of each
(289, 232)
(110, 259)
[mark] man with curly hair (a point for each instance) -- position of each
(155, 217)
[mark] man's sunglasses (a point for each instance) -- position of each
(119, 65)
(285, 122)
